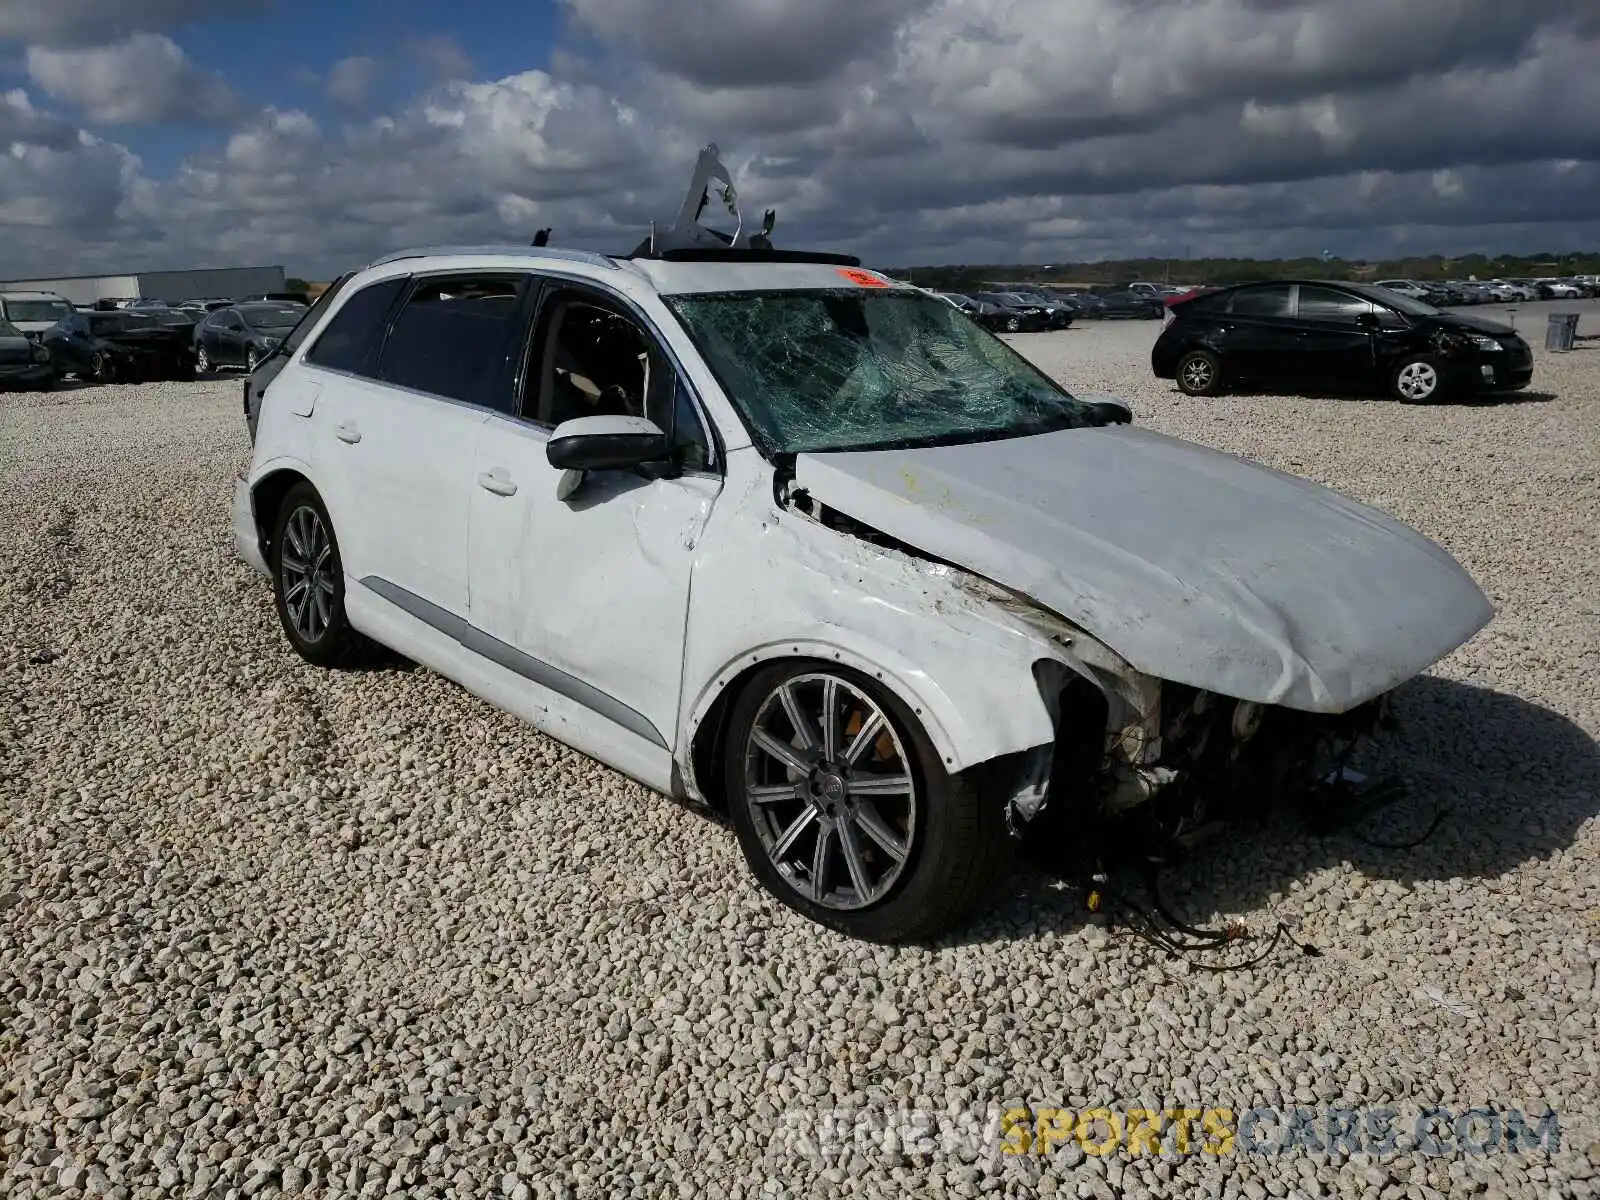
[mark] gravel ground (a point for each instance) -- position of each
(265, 928)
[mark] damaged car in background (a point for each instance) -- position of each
(768, 531)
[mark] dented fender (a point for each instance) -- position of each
(963, 665)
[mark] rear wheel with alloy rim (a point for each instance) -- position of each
(202, 362)
(101, 368)
(1013, 325)
(251, 358)
(844, 810)
(1199, 373)
(1416, 381)
(308, 579)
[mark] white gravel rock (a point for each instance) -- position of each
(266, 929)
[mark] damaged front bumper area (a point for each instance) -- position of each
(1178, 760)
(1202, 758)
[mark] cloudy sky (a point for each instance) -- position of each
(155, 133)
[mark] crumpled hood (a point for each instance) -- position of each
(1193, 565)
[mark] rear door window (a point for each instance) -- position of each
(312, 315)
(1206, 302)
(352, 338)
(1267, 300)
(460, 337)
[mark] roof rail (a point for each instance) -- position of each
(750, 254)
(591, 257)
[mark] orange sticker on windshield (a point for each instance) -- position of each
(864, 278)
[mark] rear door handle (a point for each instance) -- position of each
(347, 433)
(497, 482)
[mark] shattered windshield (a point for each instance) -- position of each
(819, 370)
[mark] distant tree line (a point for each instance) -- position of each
(974, 276)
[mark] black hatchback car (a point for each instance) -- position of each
(1335, 337)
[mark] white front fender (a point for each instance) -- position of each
(961, 664)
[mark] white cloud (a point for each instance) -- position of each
(144, 79)
(349, 80)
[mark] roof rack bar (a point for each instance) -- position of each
(591, 257)
(743, 254)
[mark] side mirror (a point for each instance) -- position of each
(610, 443)
(1107, 409)
(1367, 320)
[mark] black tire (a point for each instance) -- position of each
(251, 360)
(1199, 373)
(1418, 379)
(1013, 324)
(959, 846)
(101, 368)
(326, 639)
(202, 361)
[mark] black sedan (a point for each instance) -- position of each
(1340, 338)
(1136, 306)
(1057, 314)
(990, 316)
(1018, 316)
(243, 334)
(111, 346)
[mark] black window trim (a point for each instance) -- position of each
(1333, 286)
(556, 282)
(413, 282)
(541, 286)
(1294, 301)
(314, 337)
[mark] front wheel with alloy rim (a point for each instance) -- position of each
(308, 579)
(101, 368)
(845, 812)
(251, 359)
(1013, 325)
(1199, 374)
(202, 362)
(1416, 381)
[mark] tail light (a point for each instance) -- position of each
(1171, 304)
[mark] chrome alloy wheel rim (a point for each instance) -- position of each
(306, 566)
(830, 791)
(1417, 381)
(1197, 373)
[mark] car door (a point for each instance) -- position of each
(403, 428)
(591, 588)
(226, 343)
(1257, 334)
(68, 342)
(1334, 331)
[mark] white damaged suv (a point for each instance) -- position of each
(768, 531)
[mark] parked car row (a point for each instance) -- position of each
(1035, 309)
(45, 337)
(1450, 292)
